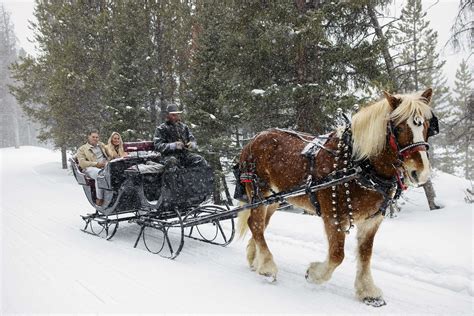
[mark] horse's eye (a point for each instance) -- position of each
(417, 121)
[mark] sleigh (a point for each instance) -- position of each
(167, 202)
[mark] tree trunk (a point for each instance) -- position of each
(237, 138)
(16, 130)
(430, 195)
(389, 66)
(215, 163)
(217, 192)
(29, 142)
(385, 51)
(226, 190)
(63, 157)
(467, 157)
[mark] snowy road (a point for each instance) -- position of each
(423, 261)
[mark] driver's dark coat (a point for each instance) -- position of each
(168, 133)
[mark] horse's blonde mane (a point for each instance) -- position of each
(369, 125)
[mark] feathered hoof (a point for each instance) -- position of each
(270, 278)
(374, 301)
(253, 265)
(268, 270)
(317, 273)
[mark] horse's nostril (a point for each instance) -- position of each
(414, 176)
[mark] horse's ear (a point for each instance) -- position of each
(392, 100)
(427, 94)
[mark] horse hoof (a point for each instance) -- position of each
(316, 273)
(375, 301)
(270, 278)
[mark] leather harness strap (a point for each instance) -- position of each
(390, 189)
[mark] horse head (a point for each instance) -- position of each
(399, 125)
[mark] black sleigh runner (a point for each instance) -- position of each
(167, 202)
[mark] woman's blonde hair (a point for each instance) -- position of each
(115, 151)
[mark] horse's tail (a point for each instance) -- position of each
(242, 225)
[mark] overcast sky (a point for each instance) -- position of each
(441, 14)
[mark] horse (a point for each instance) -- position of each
(388, 138)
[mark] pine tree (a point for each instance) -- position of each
(150, 54)
(383, 35)
(418, 60)
(172, 39)
(129, 76)
(61, 88)
(292, 64)
(9, 117)
(265, 64)
(418, 63)
(462, 31)
(207, 107)
(461, 120)
(111, 65)
(304, 57)
(441, 157)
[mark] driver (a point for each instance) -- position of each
(174, 140)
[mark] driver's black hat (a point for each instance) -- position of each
(173, 109)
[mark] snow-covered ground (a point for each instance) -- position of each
(423, 260)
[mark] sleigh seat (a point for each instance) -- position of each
(87, 182)
(80, 176)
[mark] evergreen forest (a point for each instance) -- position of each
(234, 67)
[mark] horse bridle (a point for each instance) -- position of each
(404, 152)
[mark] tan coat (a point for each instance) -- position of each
(86, 156)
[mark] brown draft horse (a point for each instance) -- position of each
(280, 166)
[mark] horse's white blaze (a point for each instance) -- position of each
(417, 128)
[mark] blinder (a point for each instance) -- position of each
(433, 129)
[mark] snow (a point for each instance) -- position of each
(257, 92)
(423, 261)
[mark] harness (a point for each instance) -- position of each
(390, 189)
(345, 167)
